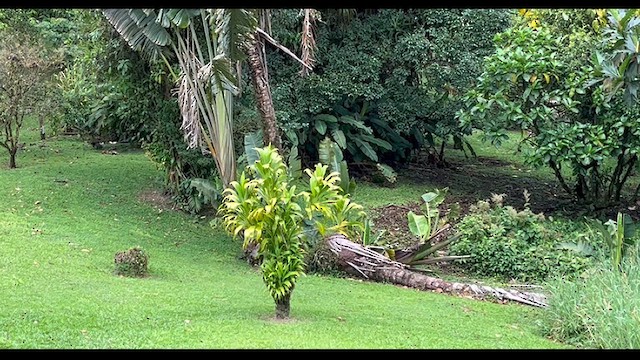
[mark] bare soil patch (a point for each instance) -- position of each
(158, 199)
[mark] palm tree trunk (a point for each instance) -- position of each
(359, 261)
(257, 68)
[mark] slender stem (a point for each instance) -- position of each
(630, 165)
(616, 173)
(441, 154)
(166, 62)
(559, 176)
(210, 50)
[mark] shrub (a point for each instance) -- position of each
(512, 244)
(601, 309)
(132, 262)
(265, 208)
(181, 165)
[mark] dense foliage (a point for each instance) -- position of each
(507, 243)
(108, 92)
(401, 71)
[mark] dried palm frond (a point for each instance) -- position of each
(308, 42)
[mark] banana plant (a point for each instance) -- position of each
(206, 84)
(347, 122)
(619, 235)
(206, 42)
(427, 227)
(329, 153)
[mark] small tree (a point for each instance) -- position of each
(25, 68)
(269, 211)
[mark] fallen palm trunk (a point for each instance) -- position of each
(357, 260)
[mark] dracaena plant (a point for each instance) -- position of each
(266, 209)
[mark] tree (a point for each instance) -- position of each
(619, 68)
(26, 67)
(540, 80)
(409, 66)
(266, 209)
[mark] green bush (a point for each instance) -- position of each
(511, 244)
(132, 263)
(108, 91)
(601, 309)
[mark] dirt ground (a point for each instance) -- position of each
(472, 181)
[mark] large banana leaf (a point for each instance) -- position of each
(329, 154)
(252, 141)
(366, 148)
(339, 138)
(233, 28)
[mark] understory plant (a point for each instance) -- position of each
(429, 228)
(265, 208)
(509, 244)
(619, 235)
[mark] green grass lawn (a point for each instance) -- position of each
(68, 209)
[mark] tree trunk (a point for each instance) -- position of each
(359, 261)
(283, 306)
(12, 158)
(258, 67)
(43, 135)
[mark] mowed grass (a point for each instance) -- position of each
(68, 209)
